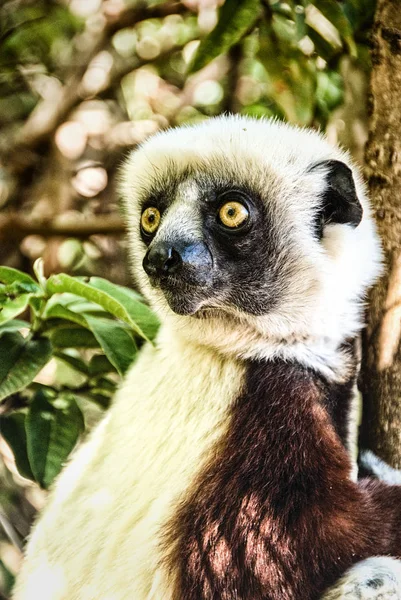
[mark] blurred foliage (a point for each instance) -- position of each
(81, 82)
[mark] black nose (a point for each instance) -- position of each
(189, 261)
(162, 259)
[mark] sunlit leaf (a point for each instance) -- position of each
(11, 307)
(333, 11)
(22, 281)
(143, 316)
(64, 283)
(58, 311)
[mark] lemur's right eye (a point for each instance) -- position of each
(150, 220)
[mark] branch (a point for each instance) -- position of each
(15, 227)
(131, 16)
(50, 112)
(234, 56)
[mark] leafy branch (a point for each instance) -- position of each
(51, 112)
(90, 324)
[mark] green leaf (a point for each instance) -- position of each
(14, 306)
(106, 385)
(360, 13)
(139, 312)
(74, 303)
(14, 325)
(37, 304)
(20, 361)
(115, 290)
(52, 430)
(13, 276)
(281, 8)
(329, 91)
(285, 31)
(12, 428)
(322, 47)
(99, 365)
(73, 361)
(80, 306)
(117, 343)
(72, 337)
(236, 18)
(64, 283)
(58, 311)
(300, 25)
(333, 11)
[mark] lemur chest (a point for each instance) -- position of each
(158, 436)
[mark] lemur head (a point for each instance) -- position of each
(249, 232)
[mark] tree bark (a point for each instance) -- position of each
(381, 368)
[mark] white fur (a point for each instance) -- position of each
(379, 468)
(98, 538)
(377, 578)
(101, 526)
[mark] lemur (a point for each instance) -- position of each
(221, 470)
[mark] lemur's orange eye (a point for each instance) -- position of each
(233, 214)
(150, 220)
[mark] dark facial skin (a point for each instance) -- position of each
(238, 266)
(250, 266)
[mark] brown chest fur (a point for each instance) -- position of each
(275, 516)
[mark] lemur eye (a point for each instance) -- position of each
(150, 220)
(233, 214)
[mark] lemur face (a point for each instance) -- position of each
(252, 218)
(211, 243)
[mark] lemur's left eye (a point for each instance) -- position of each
(150, 220)
(233, 214)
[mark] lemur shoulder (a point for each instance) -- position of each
(221, 470)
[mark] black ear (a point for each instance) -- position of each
(339, 202)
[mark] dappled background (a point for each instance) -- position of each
(83, 81)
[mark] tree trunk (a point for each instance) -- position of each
(381, 369)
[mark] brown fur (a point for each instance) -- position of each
(275, 515)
